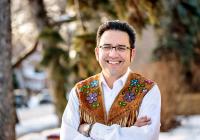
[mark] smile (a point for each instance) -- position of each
(113, 62)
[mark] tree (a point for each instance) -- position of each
(55, 58)
(180, 39)
(7, 115)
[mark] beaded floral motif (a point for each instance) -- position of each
(144, 90)
(94, 83)
(149, 81)
(122, 103)
(95, 104)
(128, 97)
(134, 82)
(85, 89)
(91, 93)
(92, 97)
(139, 87)
(129, 94)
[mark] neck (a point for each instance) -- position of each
(110, 79)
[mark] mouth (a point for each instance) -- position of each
(113, 62)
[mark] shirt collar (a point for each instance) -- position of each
(122, 79)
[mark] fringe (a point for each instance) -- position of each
(132, 118)
(127, 120)
(84, 116)
(124, 121)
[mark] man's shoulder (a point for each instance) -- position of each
(138, 76)
(87, 82)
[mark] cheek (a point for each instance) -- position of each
(101, 56)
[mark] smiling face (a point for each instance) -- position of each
(114, 64)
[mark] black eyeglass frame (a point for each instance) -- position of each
(118, 48)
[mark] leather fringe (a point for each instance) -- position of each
(86, 117)
(126, 121)
(132, 118)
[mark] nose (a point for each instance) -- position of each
(113, 52)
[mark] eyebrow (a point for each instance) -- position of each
(115, 45)
(107, 44)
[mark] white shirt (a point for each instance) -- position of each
(150, 106)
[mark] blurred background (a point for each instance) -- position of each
(53, 45)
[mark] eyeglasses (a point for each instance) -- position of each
(118, 48)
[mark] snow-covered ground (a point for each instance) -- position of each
(36, 119)
(189, 129)
(39, 122)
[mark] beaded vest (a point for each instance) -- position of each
(125, 107)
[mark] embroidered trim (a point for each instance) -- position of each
(92, 98)
(94, 83)
(122, 103)
(129, 95)
(91, 93)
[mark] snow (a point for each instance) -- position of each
(189, 129)
(37, 125)
(36, 119)
(39, 122)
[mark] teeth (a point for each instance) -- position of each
(113, 62)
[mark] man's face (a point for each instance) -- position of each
(114, 62)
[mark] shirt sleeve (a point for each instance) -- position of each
(71, 120)
(151, 106)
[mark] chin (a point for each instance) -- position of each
(115, 73)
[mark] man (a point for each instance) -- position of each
(115, 104)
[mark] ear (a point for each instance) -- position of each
(97, 53)
(133, 51)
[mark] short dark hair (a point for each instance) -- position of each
(117, 25)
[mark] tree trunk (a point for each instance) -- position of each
(7, 110)
(38, 11)
(56, 84)
(57, 90)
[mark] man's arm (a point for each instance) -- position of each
(71, 120)
(86, 128)
(151, 106)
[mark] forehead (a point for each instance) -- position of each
(114, 37)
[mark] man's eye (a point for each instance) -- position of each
(107, 47)
(121, 48)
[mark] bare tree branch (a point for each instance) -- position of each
(16, 62)
(76, 2)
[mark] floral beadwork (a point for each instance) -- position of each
(134, 82)
(94, 83)
(139, 87)
(85, 89)
(129, 97)
(122, 103)
(91, 92)
(149, 81)
(92, 97)
(130, 93)
(95, 104)
(144, 90)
